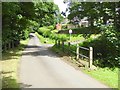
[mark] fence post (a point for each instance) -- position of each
(9, 45)
(63, 45)
(59, 43)
(56, 42)
(77, 52)
(90, 57)
(68, 47)
(5, 47)
(12, 44)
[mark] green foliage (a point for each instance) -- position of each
(106, 47)
(50, 27)
(19, 18)
(62, 37)
(27, 9)
(44, 39)
(47, 33)
(97, 13)
(85, 31)
(106, 75)
(16, 21)
(46, 10)
(26, 34)
(44, 31)
(33, 25)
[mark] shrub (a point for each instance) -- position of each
(43, 30)
(50, 27)
(25, 34)
(62, 37)
(106, 47)
(47, 33)
(53, 36)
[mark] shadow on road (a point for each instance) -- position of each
(38, 51)
(22, 85)
(31, 46)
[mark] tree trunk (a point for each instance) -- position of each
(91, 20)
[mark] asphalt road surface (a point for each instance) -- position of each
(40, 68)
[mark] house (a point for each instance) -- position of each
(58, 26)
(84, 22)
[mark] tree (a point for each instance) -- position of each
(45, 12)
(15, 18)
(96, 12)
(104, 15)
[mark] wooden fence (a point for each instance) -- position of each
(77, 51)
(10, 45)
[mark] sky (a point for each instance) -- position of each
(61, 5)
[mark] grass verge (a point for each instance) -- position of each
(106, 76)
(74, 38)
(10, 62)
(44, 40)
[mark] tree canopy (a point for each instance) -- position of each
(105, 16)
(98, 13)
(19, 18)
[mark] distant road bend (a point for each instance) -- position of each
(40, 68)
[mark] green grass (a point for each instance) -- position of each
(54, 31)
(105, 75)
(10, 63)
(119, 79)
(76, 37)
(44, 40)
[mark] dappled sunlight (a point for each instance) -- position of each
(38, 51)
(60, 30)
(10, 64)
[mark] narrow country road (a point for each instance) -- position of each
(40, 68)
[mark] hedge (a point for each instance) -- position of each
(46, 32)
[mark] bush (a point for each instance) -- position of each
(43, 30)
(50, 27)
(86, 31)
(62, 37)
(25, 34)
(53, 36)
(106, 47)
(47, 33)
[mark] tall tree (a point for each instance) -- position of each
(45, 13)
(95, 11)
(15, 18)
